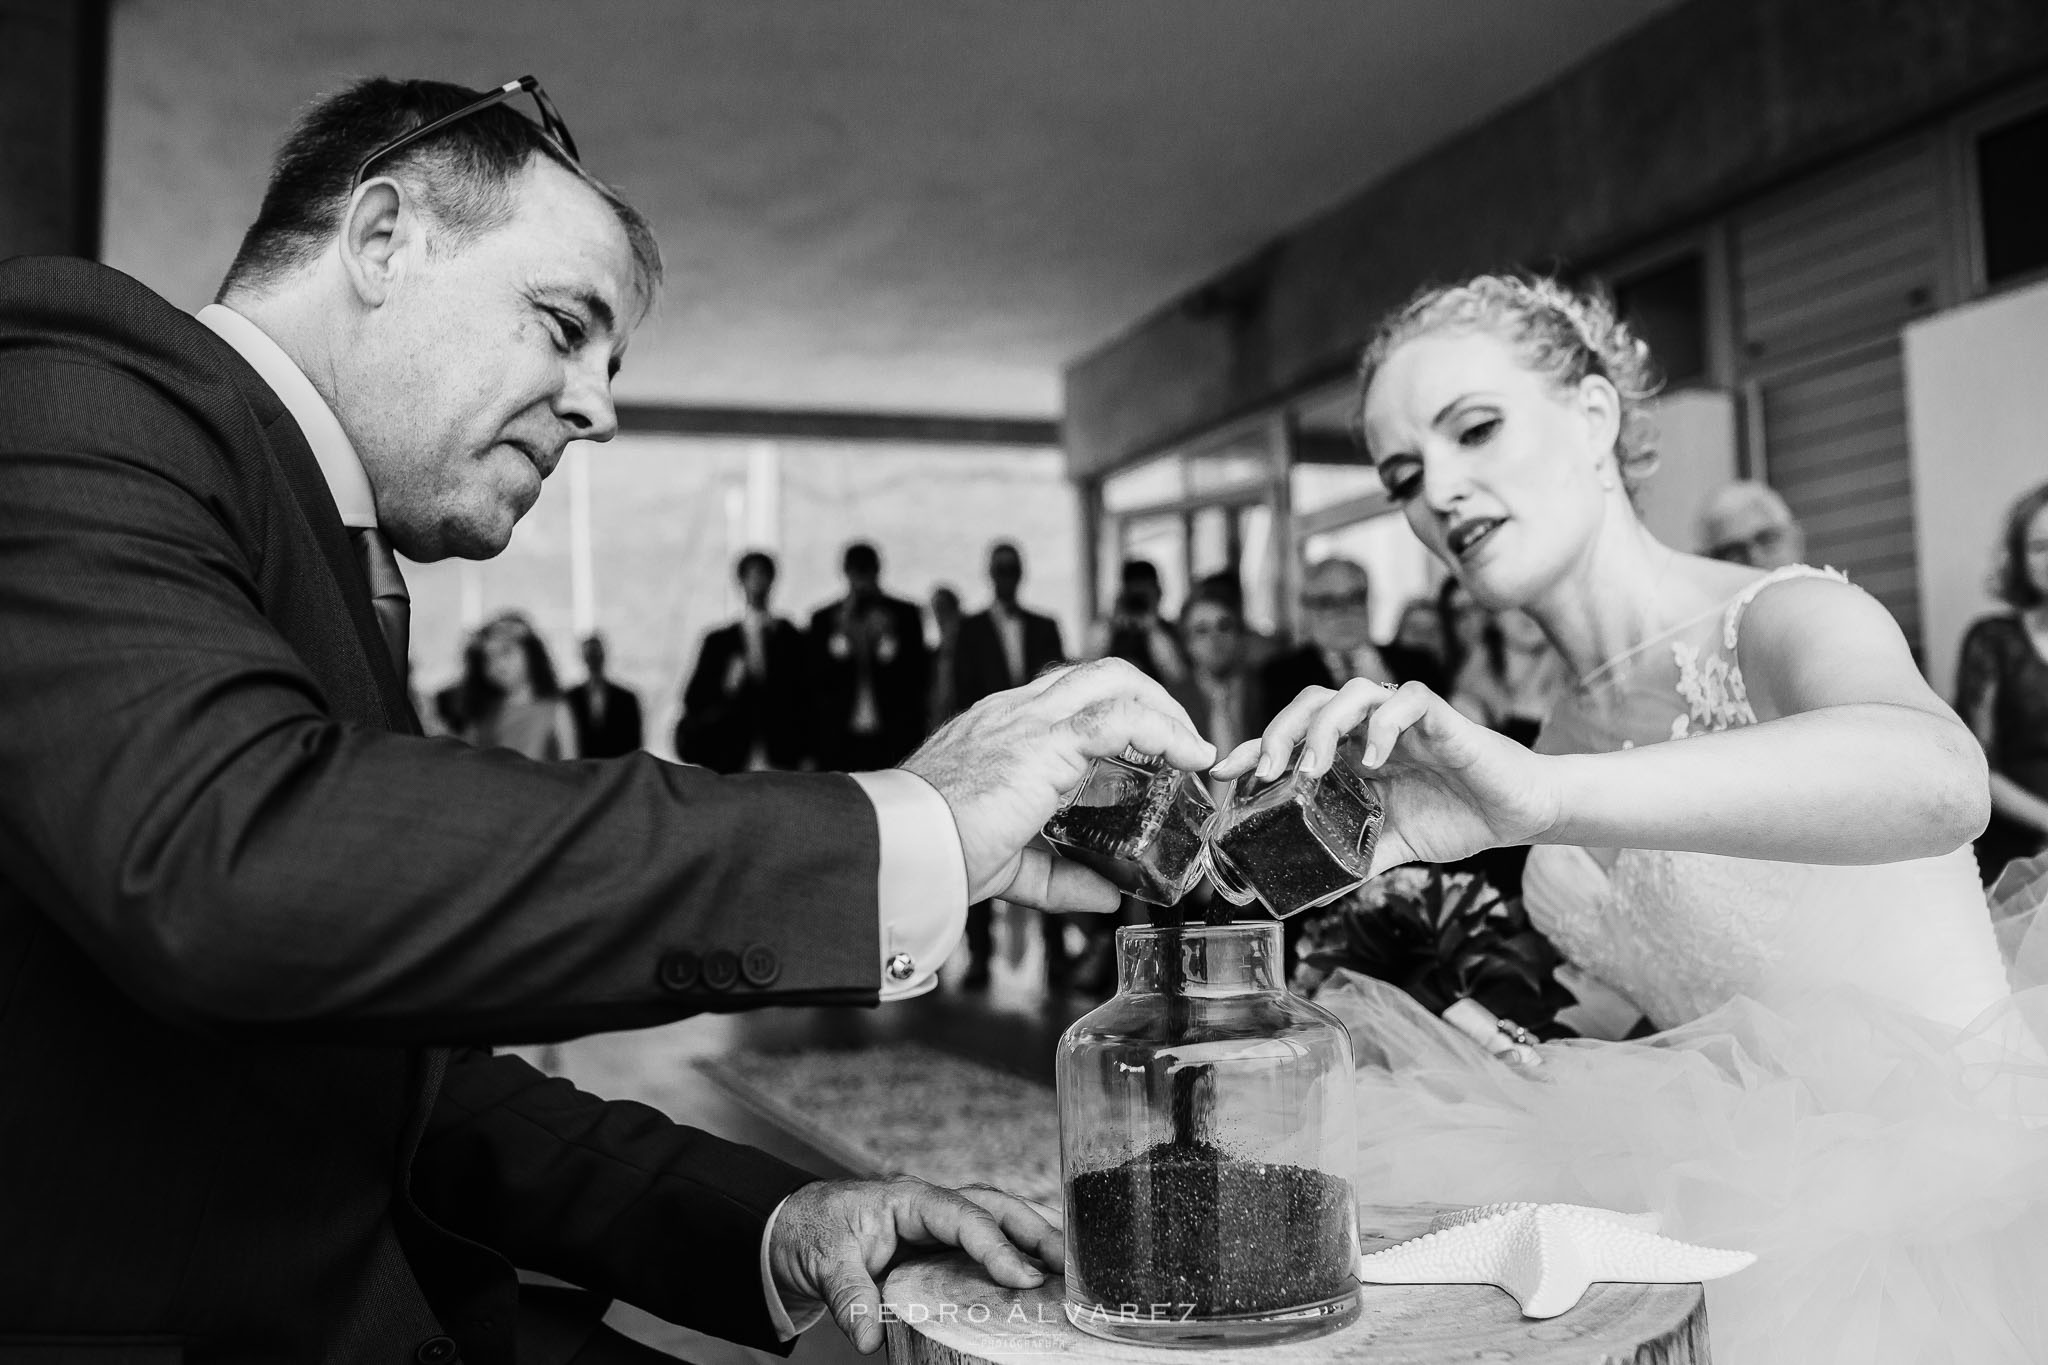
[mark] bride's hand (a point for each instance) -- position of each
(1452, 787)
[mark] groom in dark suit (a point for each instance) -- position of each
(254, 930)
(745, 708)
(1006, 646)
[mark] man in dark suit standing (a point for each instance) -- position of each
(1336, 615)
(870, 671)
(1002, 647)
(256, 932)
(745, 708)
(607, 715)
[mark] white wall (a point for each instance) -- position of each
(1977, 409)
(1696, 450)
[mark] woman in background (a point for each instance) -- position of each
(2002, 691)
(512, 699)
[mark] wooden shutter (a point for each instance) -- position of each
(1826, 275)
(1836, 431)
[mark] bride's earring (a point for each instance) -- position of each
(1607, 476)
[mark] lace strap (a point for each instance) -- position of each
(1733, 621)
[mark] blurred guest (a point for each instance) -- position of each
(946, 701)
(1513, 678)
(2002, 690)
(1746, 522)
(744, 708)
(1003, 647)
(1419, 634)
(446, 714)
(1336, 614)
(1135, 630)
(1463, 626)
(1221, 694)
(870, 672)
(510, 696)
(1006, 645)
(607, 715)
(1226, 586)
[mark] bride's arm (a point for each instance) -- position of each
(1854, 758)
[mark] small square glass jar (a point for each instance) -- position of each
(1295, 842)
(1140, 822)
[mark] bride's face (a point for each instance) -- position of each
(1503, 476)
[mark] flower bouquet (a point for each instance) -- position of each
(1442, 934)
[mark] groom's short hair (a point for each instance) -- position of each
(463, 176)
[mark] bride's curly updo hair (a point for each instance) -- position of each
(1557, 331)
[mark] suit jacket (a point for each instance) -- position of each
(981, 667)
(720, 726)
(245, 911)
(1285, 674)
(900, 666)
(618, 733)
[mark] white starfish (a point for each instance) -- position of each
(1546, 1255)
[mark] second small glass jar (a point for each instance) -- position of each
(1295, 842)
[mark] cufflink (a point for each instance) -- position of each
(900, 968)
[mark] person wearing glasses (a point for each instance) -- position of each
(1336, 616)
(1746, 522)
(257, 935)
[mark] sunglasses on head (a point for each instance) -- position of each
(551, 125)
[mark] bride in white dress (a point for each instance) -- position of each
(1752, 822)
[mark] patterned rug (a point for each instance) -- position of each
(906, 1107)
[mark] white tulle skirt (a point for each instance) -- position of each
(1890, 1173)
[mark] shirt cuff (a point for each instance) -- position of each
(786, 1326)
(921, 883)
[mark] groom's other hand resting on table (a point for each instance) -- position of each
(833, 1242)
(1005, 764)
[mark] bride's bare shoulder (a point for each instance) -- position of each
(1813, 638)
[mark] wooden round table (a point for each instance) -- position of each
(944, 1310)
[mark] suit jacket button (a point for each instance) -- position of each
(759, 964)
(679, 970)
(721, 969)
(438, 1351)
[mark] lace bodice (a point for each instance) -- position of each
(1681, 933)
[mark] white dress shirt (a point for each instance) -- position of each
(921, 885)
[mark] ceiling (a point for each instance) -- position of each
(869, 205)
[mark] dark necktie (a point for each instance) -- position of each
(387, 591)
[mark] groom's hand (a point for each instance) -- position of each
(835, 1239)
(1005, 764)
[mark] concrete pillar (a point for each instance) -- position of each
(53, 101)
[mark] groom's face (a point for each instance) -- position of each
(486, 360)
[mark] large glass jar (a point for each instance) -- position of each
(1206, 1144)
(1139, 821)
(1295, 842)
